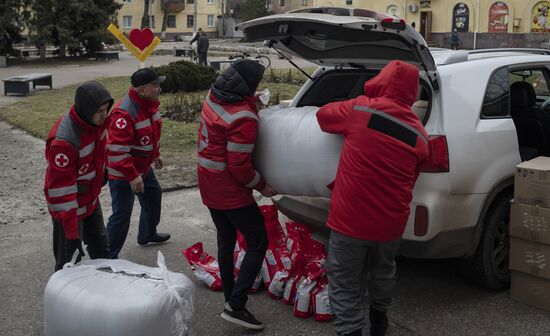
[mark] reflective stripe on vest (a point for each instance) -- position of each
(145, 148)
(114, 172)
(254, 181)
(63, 191)
(156, 116)
(241, 148)
(202, 145)
(216, 165)
(226, 116)
(87, 150)
(103, 135)
(63, 206)
(116, 158)
(118, 148)
(143, 124)
(86, 177)
(381, 125)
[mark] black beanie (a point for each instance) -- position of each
(251, 71)
(89, 97)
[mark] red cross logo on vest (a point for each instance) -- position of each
(61, 160)
(145, 140)
(121, 123)
(83, 169)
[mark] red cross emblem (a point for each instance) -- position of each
(145, 140)
(61, 160)
(121, 123)
(83, 169)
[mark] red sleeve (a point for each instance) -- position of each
(60, 187)
(119, 144)
(241, 138)
(333, 117)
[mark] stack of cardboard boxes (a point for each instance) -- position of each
(530, 234)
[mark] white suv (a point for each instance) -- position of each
(485, 112)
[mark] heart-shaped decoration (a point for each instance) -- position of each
(141, 38)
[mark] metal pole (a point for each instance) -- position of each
(477, 24)
(405, 10)
(195, 17)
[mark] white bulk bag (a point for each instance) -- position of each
(117, 297)
(293, 154)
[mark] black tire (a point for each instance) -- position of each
(489, 266)
(264, 60)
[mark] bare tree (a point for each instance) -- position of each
(224, 8)
(166, 5)
(145, 18)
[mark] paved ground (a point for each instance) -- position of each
(432, 298)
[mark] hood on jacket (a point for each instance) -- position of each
(240, 80)
(397, 81)
(88, 98)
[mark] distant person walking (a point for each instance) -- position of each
(202, 48)
(454, 40)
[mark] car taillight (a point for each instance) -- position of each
(393, 23)
(420, 221)
(438, 157)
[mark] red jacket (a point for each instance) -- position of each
(227, 134)
(134, 137)
(75, 151)
(384, 147)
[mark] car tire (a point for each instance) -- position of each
(489, 266)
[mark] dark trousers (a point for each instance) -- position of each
(122, 200)
(202, 58)
(353, 266)
(92, 233)
(250, 222)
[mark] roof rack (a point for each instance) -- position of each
(462, 55)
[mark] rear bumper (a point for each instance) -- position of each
(445, 244)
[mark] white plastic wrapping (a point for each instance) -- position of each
(117, 297)
(293, 154)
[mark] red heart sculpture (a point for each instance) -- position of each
(141, 38)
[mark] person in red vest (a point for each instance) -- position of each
(75, 151)
(226, 137)
(133, 146)
(385, 145)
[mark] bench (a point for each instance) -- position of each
(183, 52)
(20, 84)
(107, 55)
(216, 65)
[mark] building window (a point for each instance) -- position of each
(498, 17)
(190, 21)
(127, 21)
(303, 3)
(349, 2)
(281, 3)
(461, 18)
(126, 1)
(171, 21)
(151, 21)
(210, 20)
(190, 1)
(210, 2)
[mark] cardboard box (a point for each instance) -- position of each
(532, 182)
(530, 257)
(531, 290)
(530, 223)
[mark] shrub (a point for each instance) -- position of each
(182, 108)
(185, 76)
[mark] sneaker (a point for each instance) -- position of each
(156, 238)
(378, 322)
(241, 317)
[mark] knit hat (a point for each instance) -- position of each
(251, 71)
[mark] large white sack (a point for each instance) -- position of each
(293, 154)
(119, 298)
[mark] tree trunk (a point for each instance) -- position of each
(62, 50)
(165, 18)
(42, 53)
(145, 17)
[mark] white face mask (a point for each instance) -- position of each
(264, 96)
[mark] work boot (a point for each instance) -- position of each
(378, 322)
(241, 317)
(156, 238)
(358, 332)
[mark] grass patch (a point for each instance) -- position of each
(37, 113)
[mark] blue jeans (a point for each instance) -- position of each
(123, 201)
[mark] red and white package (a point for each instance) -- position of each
(257, 284)
(204, 266)
(277, 286)
(273, 263)
(322, 310)
(290, 289)
(302, 303)
(275, 233)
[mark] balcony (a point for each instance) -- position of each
(174, 6)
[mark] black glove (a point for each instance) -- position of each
(105, 177)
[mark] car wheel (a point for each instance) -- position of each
(489, 266)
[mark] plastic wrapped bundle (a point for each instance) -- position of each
(117, 297)
(293, 154)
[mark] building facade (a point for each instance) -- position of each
(479, 23)
(184, 17)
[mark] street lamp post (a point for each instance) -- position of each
(477, 24)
